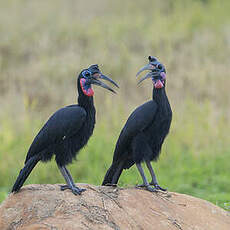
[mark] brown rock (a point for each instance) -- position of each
(46, 207)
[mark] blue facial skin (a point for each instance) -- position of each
(87, 75)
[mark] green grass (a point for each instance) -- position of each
(43, 47)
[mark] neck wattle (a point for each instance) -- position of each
(83, 100)
(86, 88)
(86, 102)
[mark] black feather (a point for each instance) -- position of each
(142, 136)
(63, 135)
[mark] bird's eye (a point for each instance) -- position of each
(159, 66)
(86, 73)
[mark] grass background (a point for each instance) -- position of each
(45, 44)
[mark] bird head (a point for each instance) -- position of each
(91, 76)
(156, 72)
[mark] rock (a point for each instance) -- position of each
(46, 207)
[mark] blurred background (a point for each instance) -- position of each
(45, 44)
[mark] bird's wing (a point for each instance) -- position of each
(140, 118)
(62, 124)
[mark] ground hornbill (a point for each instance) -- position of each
(144, 132)
(66, 131)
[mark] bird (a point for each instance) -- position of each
(144, 132)
(67, 131)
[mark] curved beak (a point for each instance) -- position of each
(97, 82)
(108, 79)
(148, 75)
(147, 67)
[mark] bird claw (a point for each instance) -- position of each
(141, 185)
(157, 186)
(75, 190)
(148, 187)
(64, 187)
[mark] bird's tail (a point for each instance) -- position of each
(25, 172)
(113, 174)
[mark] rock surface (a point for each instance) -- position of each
(46, 207)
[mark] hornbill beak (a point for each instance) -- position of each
(147, 67)
(108, 79)
(156, 70)
(95, 81)
(148, 75)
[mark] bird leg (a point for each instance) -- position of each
(69, 180)
(145, 182)
(68, 175)
(154, 179)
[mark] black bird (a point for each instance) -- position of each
(144, 132)
(66, 131)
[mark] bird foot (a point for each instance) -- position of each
(75, 190)
(148, 187)
(157, 186)
(140, 185)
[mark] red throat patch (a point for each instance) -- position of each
(88, 92)
(158, 84)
